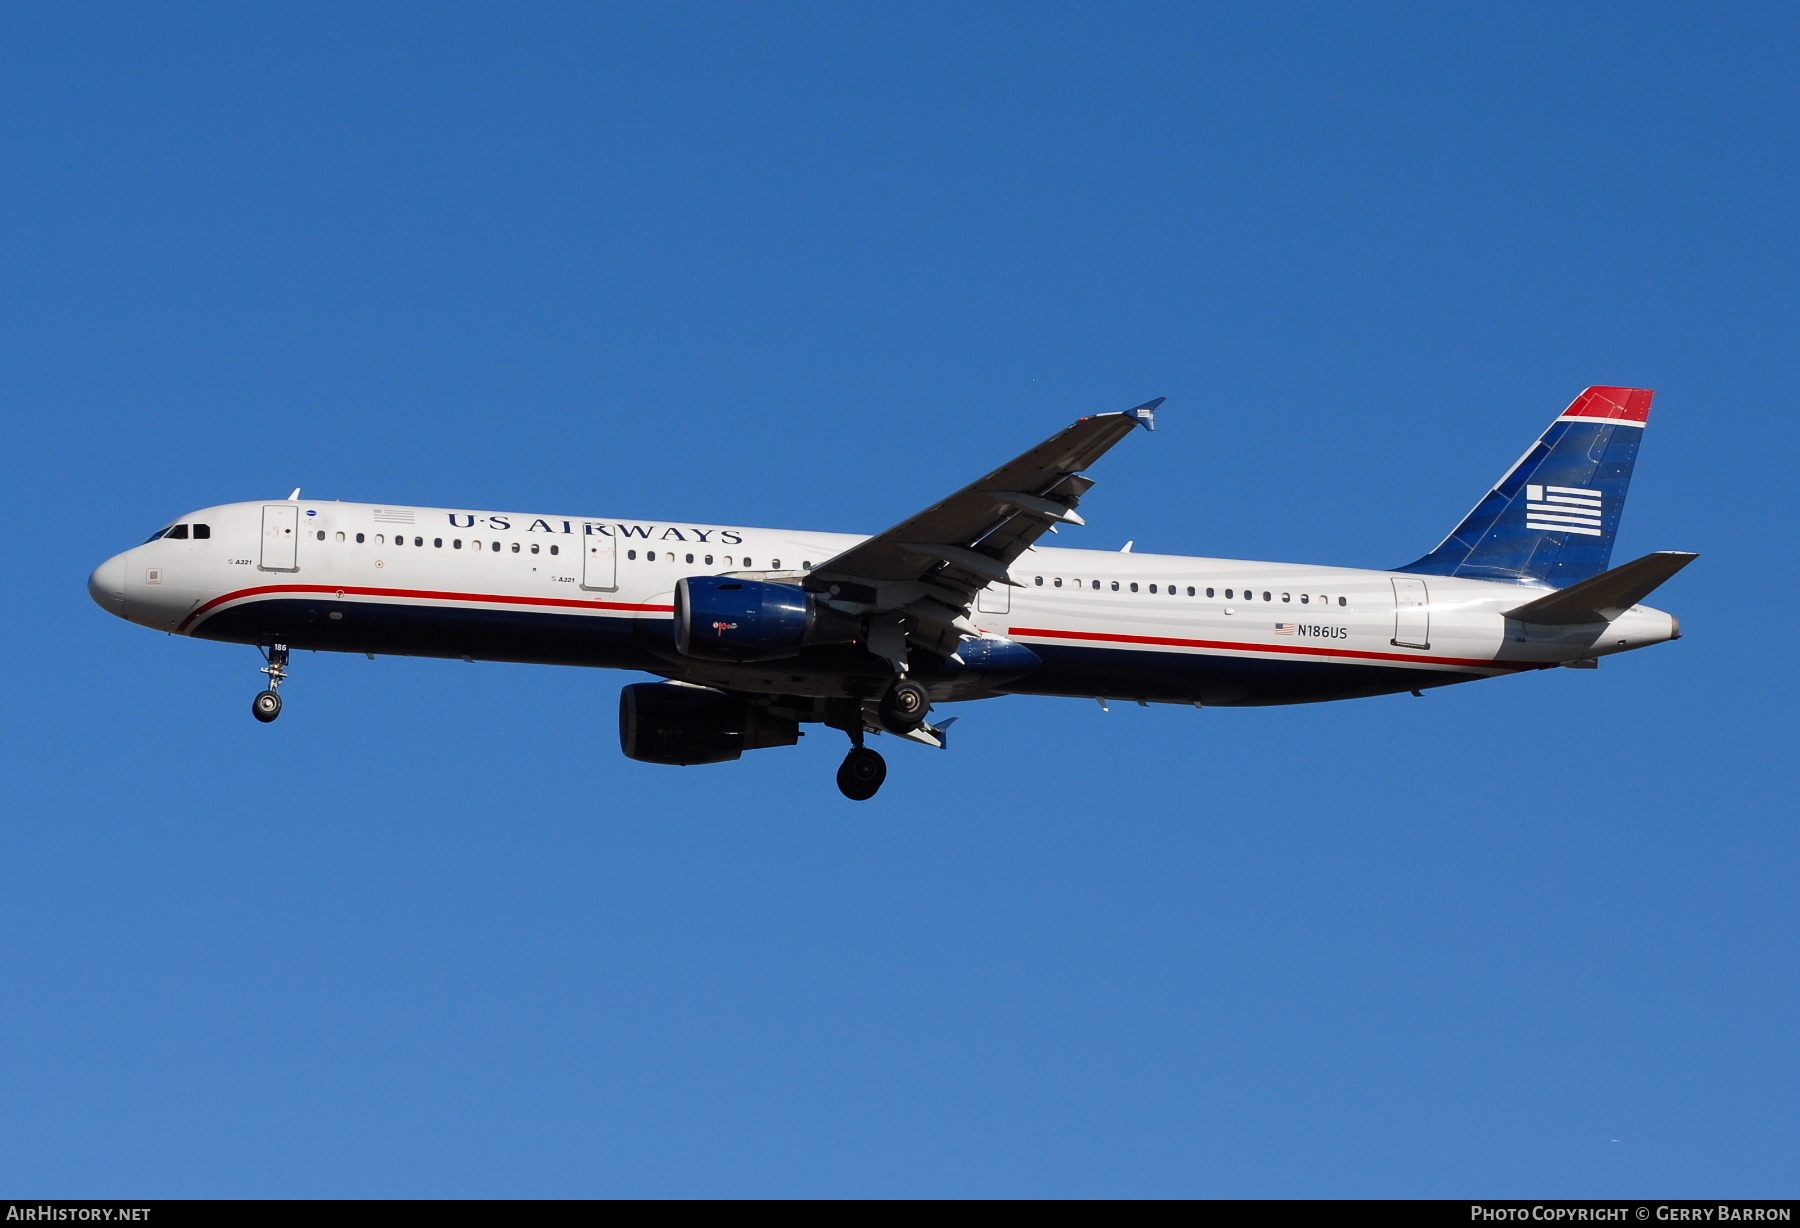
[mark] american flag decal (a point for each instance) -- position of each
(1563, 509)
(1284, 628)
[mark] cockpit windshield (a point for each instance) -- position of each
(179, 533)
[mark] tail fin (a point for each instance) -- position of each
(1551, 519)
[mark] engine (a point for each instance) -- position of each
(660, 722)
(750, 620)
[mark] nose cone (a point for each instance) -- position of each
(107, 585)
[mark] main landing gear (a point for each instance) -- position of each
(901, 711)
(861, 774)
(863, 770)
(903, 708)
(267, 706)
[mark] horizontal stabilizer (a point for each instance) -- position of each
(1604, 597)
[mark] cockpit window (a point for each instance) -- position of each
(158, 534)
(202, 532)
(176, 534)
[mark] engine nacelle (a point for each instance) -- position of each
(750, 620)
(660, 722)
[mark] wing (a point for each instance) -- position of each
(926, 570)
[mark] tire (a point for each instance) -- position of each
(266, 707)
(861, 774)
(905, 706)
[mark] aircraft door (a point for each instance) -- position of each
(994, 599)
(280, 537)
(1412, 614)
(599, 563)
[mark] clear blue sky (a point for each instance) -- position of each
(815, 266)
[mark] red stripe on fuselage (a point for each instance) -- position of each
(641, 608)
(1227, 646)
(424, 595)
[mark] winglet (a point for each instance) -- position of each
(1145, 414)
(295, 495)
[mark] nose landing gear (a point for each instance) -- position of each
(267, 706)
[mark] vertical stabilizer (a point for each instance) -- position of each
(1552, 518)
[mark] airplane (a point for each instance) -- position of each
(753, 632)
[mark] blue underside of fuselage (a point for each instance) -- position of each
(533, 637)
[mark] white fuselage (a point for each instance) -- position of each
(597, 591)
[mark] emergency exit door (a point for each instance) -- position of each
(599, 563)
(1412, 614)
(994, 599)
(281, 537)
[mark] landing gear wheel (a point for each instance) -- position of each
(904, 707)
(861, 775)
(266, 707)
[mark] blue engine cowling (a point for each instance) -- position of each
(750, 620)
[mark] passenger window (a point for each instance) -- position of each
(1096, 586)
(1209, 592)
(495, 547)
(359, 539)
(437, 543)
(746, 561)
(1304, 599)
(775, 564)
(1228, 594)
(806, 565)
(457, 543)
(1266, 596)
(515, 547)
(1115, 587)
(690, 558)
(1039, 581)
(1153, 588)
(555, 549)
(1057, 582)
(1341, 601)
(320, 535)
(1134, 586)
(709, 560)
(418, 541)
(630, 554)
(534, 547)
(381, 539)
(1286, 597)
(202, 532)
